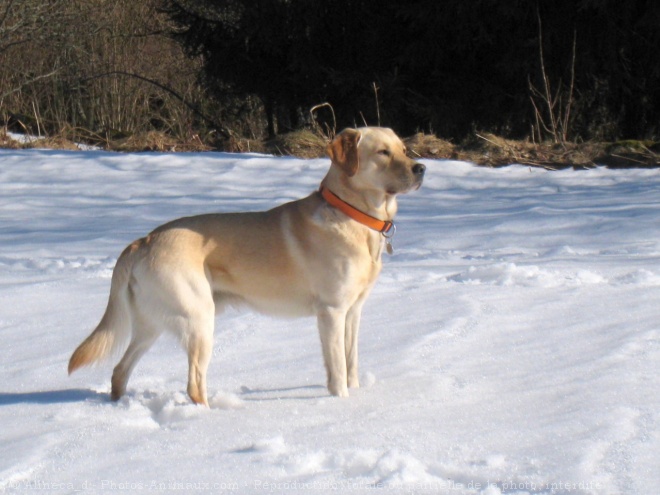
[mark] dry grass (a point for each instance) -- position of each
(631, 153)
(53, 143)
(244, 145)
(430, 146)
(303, 144)
(494, 151)
(156, 141)
(7, 142)
(482, 148)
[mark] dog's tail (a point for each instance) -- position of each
(114, 329)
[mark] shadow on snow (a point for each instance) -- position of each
(50, 397)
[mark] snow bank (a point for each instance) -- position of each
(510, 346)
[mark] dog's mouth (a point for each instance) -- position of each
(406, 180)
(407, 185)
(403, 189)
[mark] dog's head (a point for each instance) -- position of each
(375, 158)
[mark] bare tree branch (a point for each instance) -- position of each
(225, 132)
(31, 81)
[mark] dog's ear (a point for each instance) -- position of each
(343, 151)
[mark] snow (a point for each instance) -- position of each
(34, 140)
(509, 347)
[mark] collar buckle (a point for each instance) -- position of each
(389, 230)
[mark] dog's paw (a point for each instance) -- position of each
(338, 390)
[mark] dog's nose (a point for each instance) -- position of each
(419, 169)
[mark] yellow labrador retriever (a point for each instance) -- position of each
(316, 256)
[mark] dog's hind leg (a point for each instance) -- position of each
(141, 342)
(195, 325)
(200, 349)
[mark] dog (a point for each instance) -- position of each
(319, 255)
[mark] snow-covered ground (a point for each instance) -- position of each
(509, 347)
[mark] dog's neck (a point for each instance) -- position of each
(373, 202)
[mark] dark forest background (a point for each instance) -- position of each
(218, 70)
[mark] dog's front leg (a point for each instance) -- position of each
(351, 344)
(332, 323)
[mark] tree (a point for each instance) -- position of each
(446, 66)
(105, 66)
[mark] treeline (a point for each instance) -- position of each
(97, 70)
(548, 70)
(560, 68)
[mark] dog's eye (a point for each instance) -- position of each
(384, 152)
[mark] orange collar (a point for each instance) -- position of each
(382, 226)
